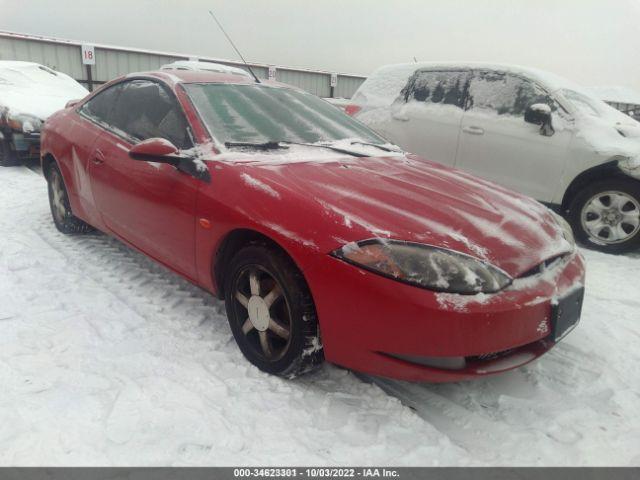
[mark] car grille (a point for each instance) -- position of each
(541, 267)
(485, 357)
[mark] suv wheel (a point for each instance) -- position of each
(606, 215)
(63, 218)
(271, 312)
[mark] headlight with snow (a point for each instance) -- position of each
(25, 123)
(630, 165)
(425, 266)
(567, 231)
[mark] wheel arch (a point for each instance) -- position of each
(233, 242)
(603, 171)
(47, 160)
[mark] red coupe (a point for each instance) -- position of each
(324, 241)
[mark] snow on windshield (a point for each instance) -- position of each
(259, 114)
(384, 85)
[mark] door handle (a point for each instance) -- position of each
(98, 157)
(473, 130)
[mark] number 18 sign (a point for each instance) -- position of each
(88, 55)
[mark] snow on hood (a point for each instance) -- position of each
(405, 198)
(606, 130)
(32, 89)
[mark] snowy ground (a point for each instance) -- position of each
(108, 359)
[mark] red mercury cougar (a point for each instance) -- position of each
(325, 241)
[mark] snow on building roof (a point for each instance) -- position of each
(616, 94)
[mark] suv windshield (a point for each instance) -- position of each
(260, 114)
(582, 103)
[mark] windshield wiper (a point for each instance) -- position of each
(381, 147)
(283, 145)
(330, 147)
(259, 146)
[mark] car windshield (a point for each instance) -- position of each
(583, 103)
(255, 113)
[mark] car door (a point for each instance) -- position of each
(497, 144)
(426, 117)
(85, 130)
(150, 205)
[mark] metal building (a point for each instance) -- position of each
(112, 61)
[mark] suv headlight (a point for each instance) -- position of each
(425, 266)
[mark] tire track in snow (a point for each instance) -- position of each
(133, 365)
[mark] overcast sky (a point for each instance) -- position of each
(594, 42)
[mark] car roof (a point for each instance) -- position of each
(17, 65)
(550, 80)
(175, 77)
(206, 66)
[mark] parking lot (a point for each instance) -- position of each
(107, 358)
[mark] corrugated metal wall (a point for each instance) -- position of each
(112, 62)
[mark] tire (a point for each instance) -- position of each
(605, 215)
(259, 268)
(63, 218)
(7, 156)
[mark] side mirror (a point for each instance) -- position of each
(161, 150)
(540, 114)
(72, 103)
(155, 150)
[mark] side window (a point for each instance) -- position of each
(505, 94)
(99, 107)
(444, 87)
(145, 110)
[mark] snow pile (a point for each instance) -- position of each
(31, 89)
(255, 183)
(107, 358)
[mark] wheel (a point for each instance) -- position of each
(63, 218)
(271, 312)
(606, 215)
(7, 156)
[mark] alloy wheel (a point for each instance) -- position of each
(58, 197)
(611, 217)
(263, 312)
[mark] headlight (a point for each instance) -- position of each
(25, 123)
(425, 266)
(567, 231)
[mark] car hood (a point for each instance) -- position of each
(39, 101)
(329, 203)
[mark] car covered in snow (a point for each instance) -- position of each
(29, 93)
(325, 241)
(528, 130)
(205, 67)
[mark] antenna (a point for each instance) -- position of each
(234, 47)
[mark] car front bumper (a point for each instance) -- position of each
(383, 327)
(25, 145)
